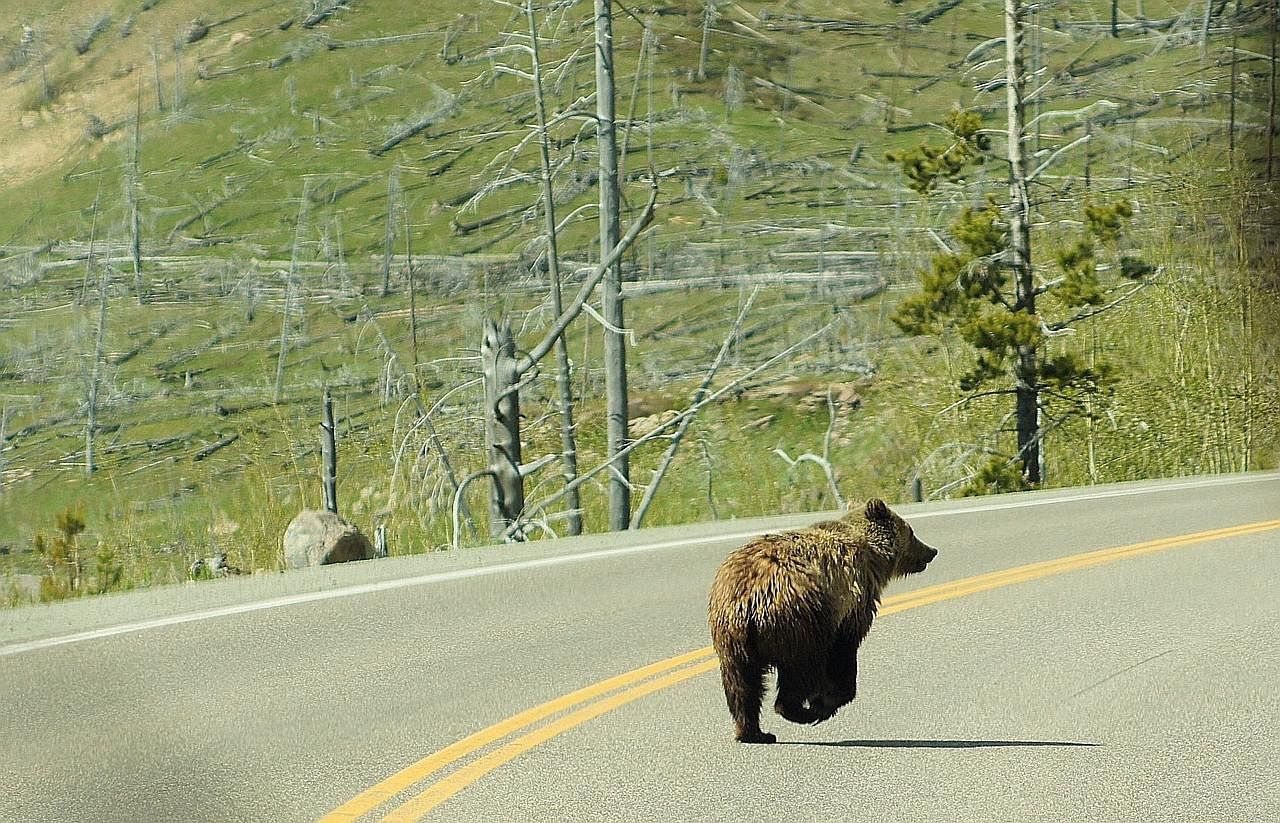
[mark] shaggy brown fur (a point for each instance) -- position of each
(801, 602)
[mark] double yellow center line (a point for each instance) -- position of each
(592, 701)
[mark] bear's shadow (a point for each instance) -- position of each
(936, 744)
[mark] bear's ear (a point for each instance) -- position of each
(877, 510)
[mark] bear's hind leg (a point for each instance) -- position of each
(743, 679)
(842, 671)
(844, 674)
(796, 687)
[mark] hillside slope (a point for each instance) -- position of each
(292, 159)
(791, 115)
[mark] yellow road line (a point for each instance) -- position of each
(455, 782)
(702, 660)
(374, 796)
(1032, 571)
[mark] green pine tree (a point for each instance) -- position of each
(970, 293)
(61, 555)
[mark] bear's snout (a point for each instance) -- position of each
(922, 553)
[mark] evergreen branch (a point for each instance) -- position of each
(1085, 314)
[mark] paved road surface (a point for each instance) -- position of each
(1143, 688)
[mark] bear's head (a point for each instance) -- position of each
(911, 554)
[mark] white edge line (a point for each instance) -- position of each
(1101, 495)
(348, 591)
(485, 571)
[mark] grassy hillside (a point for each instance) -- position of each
(268, 195)
(239, 125)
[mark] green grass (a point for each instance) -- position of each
(363, 94)
(141, 491)
(775, 177)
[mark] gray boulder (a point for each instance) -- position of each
(317, 537)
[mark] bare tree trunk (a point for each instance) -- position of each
(708, 17)
(615, 352)
(711, 476)
(1231, 118)
(1271, 108)
(284, 336)
(393, 187)
(564, 384)
(95, 375)
(93, 237)
(413, 295)
(132, 183)
(1088, 156)
(92, 421)
(155, 69)
(1037, 62)
(290, 290)
(503, 370)
(329, 454)
(1115, 18)
(1204, 32)
(1025, 371)
(4, 426)
(631, 108)
(502, 432)
(177, 79)
(1246, 323)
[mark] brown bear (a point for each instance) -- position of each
(801, 602)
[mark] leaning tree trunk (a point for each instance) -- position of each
(564, 384)
(502, 429)
(615, 353)
(1025, 371)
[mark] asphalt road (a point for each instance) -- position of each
(1141, 689)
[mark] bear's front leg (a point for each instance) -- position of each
(756, 736)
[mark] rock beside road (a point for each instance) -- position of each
(317, 538)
